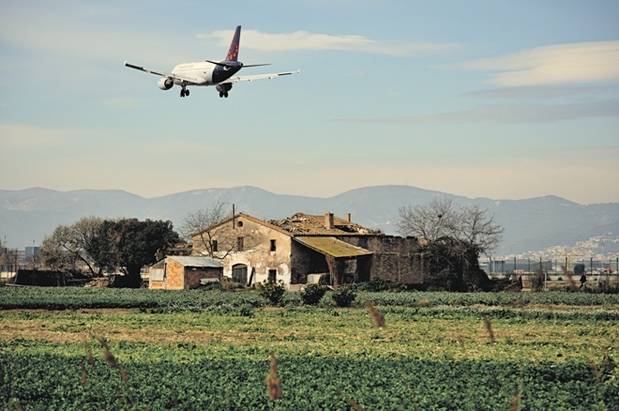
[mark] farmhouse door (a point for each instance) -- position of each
(239, 273)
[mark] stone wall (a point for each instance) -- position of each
(396, 259)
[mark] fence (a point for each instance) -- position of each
(557, 272)
(550, 265)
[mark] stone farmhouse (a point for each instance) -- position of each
(301, 248)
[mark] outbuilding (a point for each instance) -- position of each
(183, 272)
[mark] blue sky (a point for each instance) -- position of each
(501, 99)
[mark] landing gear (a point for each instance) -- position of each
(184, 92)
(223, 89)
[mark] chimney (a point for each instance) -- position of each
(349, 217)
(329, 221)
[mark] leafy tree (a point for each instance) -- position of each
(131, 244)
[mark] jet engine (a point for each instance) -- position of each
(165, 83)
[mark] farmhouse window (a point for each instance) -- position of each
(273, 245)
(239, 244)
(214, 246)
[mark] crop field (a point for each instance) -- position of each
(93, 349)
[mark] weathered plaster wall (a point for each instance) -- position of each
(257, 252)
(174, 276)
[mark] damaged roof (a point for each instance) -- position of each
(332, 246)
(306, 224)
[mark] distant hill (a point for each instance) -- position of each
(530, 224)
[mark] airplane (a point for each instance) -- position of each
(211, 73)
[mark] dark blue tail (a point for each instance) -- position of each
(233, 52)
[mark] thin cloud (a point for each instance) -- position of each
(571, 63)
(52, 32)
(27, 137)
(305, 40)
(508, 113)
(547, 92)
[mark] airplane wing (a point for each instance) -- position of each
(172, 76)
(269, 76)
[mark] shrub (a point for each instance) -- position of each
(325, 279)
(246, 310)
(213, 285)
(344, 296)
(274, 292)
(313, 293)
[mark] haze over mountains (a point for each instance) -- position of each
(530, 224)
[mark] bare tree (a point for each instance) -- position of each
(429, 222)
(478, 228)
(75, 243)
(199, 225)
(441, 218)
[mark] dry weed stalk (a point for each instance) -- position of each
(570, 279)
(489, 330)
(353, 404)
(424, 302)
(274, 388)
(111, 360)
(89, 356)
(595, 370)
(377, 316)
(515, 402)
(84, 377)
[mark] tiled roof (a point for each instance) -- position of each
(332, 246)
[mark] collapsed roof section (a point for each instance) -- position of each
(328, 224)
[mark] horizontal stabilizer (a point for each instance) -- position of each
(222, 63)
(256, 65)
(235, 64)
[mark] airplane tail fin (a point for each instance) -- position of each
(233, 52)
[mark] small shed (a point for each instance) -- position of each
(183, 272)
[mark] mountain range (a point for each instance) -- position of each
(26, 216)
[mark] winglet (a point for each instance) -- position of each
(233, 52)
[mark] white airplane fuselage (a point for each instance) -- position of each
(203, 73)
